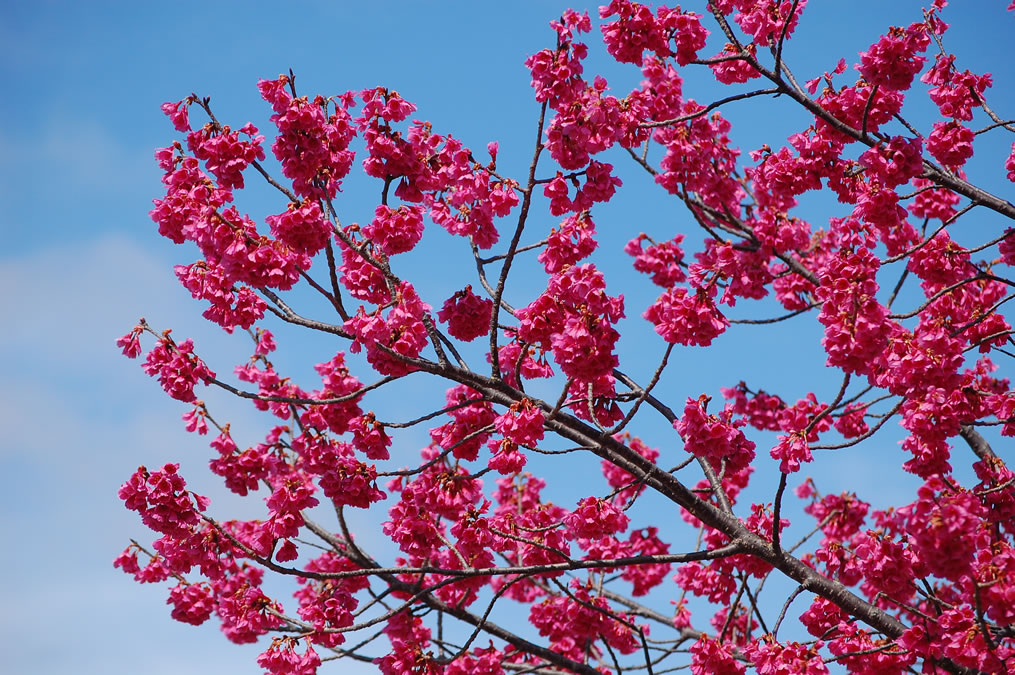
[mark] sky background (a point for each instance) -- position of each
(81, 262)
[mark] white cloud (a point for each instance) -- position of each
(69, 155)
(78, 419)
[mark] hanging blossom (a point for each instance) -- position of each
(302, 227)
(766, 21)
(700, 159)
(313, 140)
(662, 261)
(467, 431)
(955, 93)
(556, 74)
(342, 477)
(162, 500)
(854, 104)
(336, 382)
(741, 273)
(590, 125)
(856, 324)
(467, 315)
(779, 178)
(595, 518)
(396, 230)
(660, 96)
(401, 332)
(951, 143)
(522, 423)
(571, 242)
(896, 162)
(735, 66)
(177, 368)
(716, 438)
(231, 307)
(224, 154)
(682, 318)
(179, 113)
(574, 317)
(932, 201)
(329, 604)
(892, 61)
(281, 658)
(463, 196)
(771, 658)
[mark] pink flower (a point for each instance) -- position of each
(177, 368)
(165, 506)
(231, 305)
(196, 419)
(192, 603)
(688, 33)
(595, 518)
(856, 324)
(302, 227)
(313, 147)
(368, 436)
(686, 319)
(772, 658)
(396, 230)
(950, 143)
(556, 190)
(522, 423)
(715, 438)
(955, 94)
(711, 657)
(131, 343)
(892, 61)
(571, 243)
(895, 163)
(467, 315)
(634, 31)
(661, 260)
(224, 154)
(281, 658)
(767, 20)
(507, 459)
(735, 69)
(465, 434)
(177, 113)
(790, 451)
(556, 74)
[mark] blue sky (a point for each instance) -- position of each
(81, 260)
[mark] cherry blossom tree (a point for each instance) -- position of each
(661, 563)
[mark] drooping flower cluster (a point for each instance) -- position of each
(396, 230)
(467, 315)
(892, 62)
(574, 318)
(401, 332)
(572, 242)
(313, 140)
(177, 367)
(662, 261)
(716, 438)
(165, 506)
(231, 306)
(856, 324)
(684, 318)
